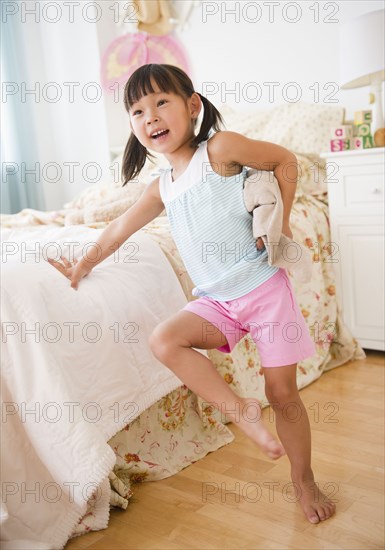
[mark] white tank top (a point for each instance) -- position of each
(213, 230)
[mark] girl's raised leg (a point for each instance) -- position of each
(172, 342)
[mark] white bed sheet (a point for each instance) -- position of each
(81, 361)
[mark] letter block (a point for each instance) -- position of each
(363, 142)
(360, 117)
(342, 132)
(358, 143)
(340, 145)
(362, 129)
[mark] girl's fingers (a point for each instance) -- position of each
(56, 264)
(60, 267)
(65, 269)
(65, 261)
(260, 243)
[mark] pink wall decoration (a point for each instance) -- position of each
(132, 50)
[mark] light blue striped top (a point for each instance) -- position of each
(212, 230)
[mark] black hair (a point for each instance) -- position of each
(168, 78)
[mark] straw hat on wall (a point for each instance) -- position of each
(153, 16)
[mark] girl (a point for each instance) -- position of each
(237, 290)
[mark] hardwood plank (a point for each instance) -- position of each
(263, 526)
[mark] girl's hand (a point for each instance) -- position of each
(73, 272)
(260, 244)
(285, 230)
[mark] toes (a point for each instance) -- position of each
(313, 517)
(317, 512)
(275, 456)
(276, 450)
(282, 452)
(321, 513)
(330, 509)
(311, 514)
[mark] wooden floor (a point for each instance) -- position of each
(189, 510)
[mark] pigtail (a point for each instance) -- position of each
(212, 119)
(134, 158)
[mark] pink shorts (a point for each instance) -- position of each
(270, 314)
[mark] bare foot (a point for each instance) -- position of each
(315, 505)
(250, 422)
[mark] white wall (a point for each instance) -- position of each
(228, 52)
(304, 52)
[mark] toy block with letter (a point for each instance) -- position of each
(361, 130)
(363, 142)
(350, 136)
(340, 144)
(362, 117)
(342, 132)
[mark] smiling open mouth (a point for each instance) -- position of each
(160, 134)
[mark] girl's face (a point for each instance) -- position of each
(164, 111)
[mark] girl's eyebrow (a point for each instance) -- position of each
(155, 93)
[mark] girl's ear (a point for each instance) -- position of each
(195, 105)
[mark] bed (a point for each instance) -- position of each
(143, 428)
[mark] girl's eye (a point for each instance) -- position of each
(160, 101)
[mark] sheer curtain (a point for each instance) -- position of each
(21, 185)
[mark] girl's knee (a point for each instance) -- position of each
(161, 342)
(156, 341)
(281, 385)
(280, 395)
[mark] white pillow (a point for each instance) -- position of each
(300, 127)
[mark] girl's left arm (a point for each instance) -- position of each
(263, 155)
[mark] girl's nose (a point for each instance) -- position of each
(152, 118)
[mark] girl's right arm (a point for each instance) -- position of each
(147, 208)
